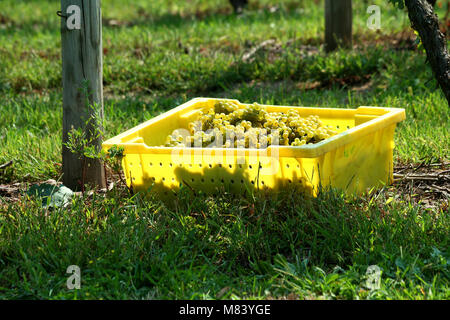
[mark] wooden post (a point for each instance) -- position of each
(82, 68)
(338, 24)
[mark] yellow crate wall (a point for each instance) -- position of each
(360, 157)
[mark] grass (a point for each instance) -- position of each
(310, 248)
(159, 54)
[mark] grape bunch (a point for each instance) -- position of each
(229, 125)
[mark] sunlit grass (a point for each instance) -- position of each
(159, 54)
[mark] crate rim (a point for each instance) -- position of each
(390, 116)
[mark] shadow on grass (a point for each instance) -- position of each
(205, 239)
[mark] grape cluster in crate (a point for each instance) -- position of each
(229, 125)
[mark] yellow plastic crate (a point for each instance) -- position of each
(358, 158)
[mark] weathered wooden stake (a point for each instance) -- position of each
(82, 68)
(338, 24)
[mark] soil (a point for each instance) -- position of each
(427, 185)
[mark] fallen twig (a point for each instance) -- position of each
(430, 182)
(443, 190)
(250, 56)
(417, 177)
(6, 165)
